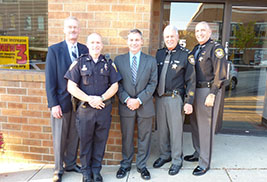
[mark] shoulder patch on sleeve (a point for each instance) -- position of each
(191, 93)
(219, 53)
(191, 59)
(114, 66)
(73, 64)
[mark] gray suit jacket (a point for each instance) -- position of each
(146, 82)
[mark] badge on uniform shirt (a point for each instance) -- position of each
(101, 71)
(219, 53)
(200, 59)
(114, 66)
(84, 68)
(174, 66)
(106, 66)
(73, 64)
(191, 59)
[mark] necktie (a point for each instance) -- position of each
(197, 52)
(161, 86)
(134, 69)
(73, 53)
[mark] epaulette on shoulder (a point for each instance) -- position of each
(83, 55)
(184, 49)
(217, 44)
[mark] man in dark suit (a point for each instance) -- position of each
(139, 80)
(58, 60)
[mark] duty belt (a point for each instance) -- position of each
(204, 84)
(171, 93)
(86, 104)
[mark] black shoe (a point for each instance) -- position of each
(198, 171)
(191, 158)
(57, 177)
(87, 178)
(160, 162)
(76, 169)
(174, 169)
(144, 173)
(97, 177)
(121, 173)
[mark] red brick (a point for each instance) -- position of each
(47, 129)
(98, 7)
(3, 118)
(32, 156)
(19, 134)
(11, 112)
(114, 133)
(9, 84)
(11, 126)
(99, 24)
(74, 7)
(31, 99)
(21, 148)
(2, 90)
(17, 105)
(38, 107)
(2, 104)
(58, 15)
(31, 113)
(39, 150)
(106, 1)
(30, 85)
(113, 148)
(111, 140)
(16, 91)
(82, 15)
(39, 121)
(117, 156)
(109, 162)
(118, 141)
(19, 120)
(106, 16)
(126, 8)
(48, 158)
(56, 7)
(142, 9)
(46, 114)
(31, 128)
(108, 155)
(47, 143)
(40, 136)
(36, 92)
(130, 16)
(131, 1)
(142, 25)
(10, 140)
(31, 142)
(10, 98)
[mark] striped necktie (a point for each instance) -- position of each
(134, 69)
(73, 53)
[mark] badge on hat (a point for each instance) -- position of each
(219, 53)
(191, 59)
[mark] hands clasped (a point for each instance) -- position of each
(133, 104)
(96, 102)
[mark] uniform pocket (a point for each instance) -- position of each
(86, 76)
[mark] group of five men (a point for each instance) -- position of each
(182, 82)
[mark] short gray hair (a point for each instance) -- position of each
(71, 18)
(171, 27)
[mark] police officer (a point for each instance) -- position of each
(175, 95)
(211, 67)
(93, 79)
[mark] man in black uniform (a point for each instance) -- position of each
(175, 95)
(93, 79)
(211, 68)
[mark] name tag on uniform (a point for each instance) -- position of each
(176, 61)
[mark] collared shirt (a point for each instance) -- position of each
(70, 48)
(137, 58)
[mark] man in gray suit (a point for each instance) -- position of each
(139, 80)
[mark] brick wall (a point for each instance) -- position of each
(24, 117)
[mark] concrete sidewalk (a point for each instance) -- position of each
(235, 159)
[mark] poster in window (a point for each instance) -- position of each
(28, 23)
(12, 22)
(40, 23)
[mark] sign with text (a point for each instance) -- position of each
(14, 52)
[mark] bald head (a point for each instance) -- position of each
(202, 32)
(94, 44)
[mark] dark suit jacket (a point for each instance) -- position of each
(146, 82)
(57, 63)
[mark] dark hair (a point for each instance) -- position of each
(136, 31)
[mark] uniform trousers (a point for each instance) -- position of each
(65, 141)
(144, 126)
(203, 122)
(93, 128)
(170, 122)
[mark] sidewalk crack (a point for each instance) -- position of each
(35, 173)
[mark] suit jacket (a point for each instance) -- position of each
(57, 63)
(146, 82)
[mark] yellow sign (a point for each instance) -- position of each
(14, 52)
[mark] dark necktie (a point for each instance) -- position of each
(161, 86)
(134, 69)
(197, 52)
(73, 53)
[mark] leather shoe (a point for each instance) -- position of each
(191, 158)
(160, 162)
(174, 169)
(97, 177)
(87, 179)
(57, 177)
(144, 173)
(121, 173)
(76, 169)
(198, 171)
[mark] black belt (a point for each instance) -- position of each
(171, 93)
(204, 84)
(86, 104)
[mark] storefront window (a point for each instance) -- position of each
(23, 34)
